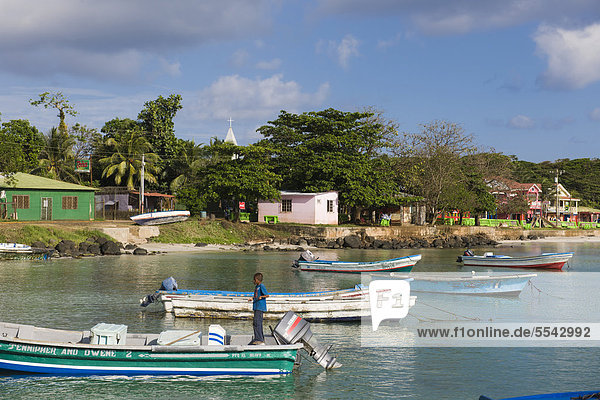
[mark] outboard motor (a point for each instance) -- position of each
(306, 255)
(468, 252)
(293, 329)
(168, 284)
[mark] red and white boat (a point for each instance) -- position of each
(544, 260)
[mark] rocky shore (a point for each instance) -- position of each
(367, 242)
(92, 246)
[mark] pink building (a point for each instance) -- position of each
(302, 208)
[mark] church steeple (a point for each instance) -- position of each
(230, 138)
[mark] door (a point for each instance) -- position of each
(46, 209)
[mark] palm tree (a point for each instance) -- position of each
(56, 160)
(191, 158)
(126, 161)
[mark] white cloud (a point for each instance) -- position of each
(340, 51)
(521, 122)
(573, 56)
(254, 98)
(441, 17)
(36, 34)
(270, 64)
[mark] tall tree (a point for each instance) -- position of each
(20, 146)
(125, 162)
(59, 102)
(221, 179)
(156, 120)
(333, 150)
(434, 158)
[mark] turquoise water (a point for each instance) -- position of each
(77, 294)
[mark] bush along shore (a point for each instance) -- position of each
(367, 242)
(92, 246)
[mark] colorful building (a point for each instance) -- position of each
(302, 208)
(34, 198)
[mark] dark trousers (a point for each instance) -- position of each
(257, 324)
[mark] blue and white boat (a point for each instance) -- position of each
(308, 262)
(472, 284)
(160, 217)
(330, 305)
(583, 395)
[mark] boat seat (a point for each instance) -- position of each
(25, 332)
(55, 335)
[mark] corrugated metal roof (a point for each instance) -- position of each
(28, 181)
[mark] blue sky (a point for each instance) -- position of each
(521, 76)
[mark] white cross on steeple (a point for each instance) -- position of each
(230, 121)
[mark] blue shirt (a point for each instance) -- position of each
(261, 305)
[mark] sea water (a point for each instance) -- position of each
(79, 293)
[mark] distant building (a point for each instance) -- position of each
(504, 190)
(121, 199)
(34, 198)
(302, 208)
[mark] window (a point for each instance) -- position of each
(69, 203)
(286, 205)
(21, 201)
(329, 206)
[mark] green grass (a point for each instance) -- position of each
(28, 234)
(213, 232)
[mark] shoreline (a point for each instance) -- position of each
(190, 247)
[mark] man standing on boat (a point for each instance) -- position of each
(259, 305)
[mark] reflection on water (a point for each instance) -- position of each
(77, 294)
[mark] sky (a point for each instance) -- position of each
(521, 76)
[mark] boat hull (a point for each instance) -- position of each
(553, 396)
(544, 261)
(162, 217)
(340, 305)
(43, 357)
(472, 285)
(402, 264)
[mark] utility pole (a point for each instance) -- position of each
(557, 197)
(142, 187)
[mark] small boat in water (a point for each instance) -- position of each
(308, 262)
(330, 305)
(583, 395)
(489, 259)
(108, 349)
(160, 217)
(472, 284)
(18, 251)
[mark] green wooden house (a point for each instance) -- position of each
(32, 198)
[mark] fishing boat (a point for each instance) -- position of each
(489, 259)
(109, 349)
(308, 262)
(582, 395)
(332, 305)
(18, 251)
(472, 284)
(160, 217)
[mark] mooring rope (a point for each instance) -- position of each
(543, 292)
(447, 312)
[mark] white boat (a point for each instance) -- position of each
(472, 284)
(160, 217)
(308, 262)
(544, 260)
(18, 251)
(332, 305)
